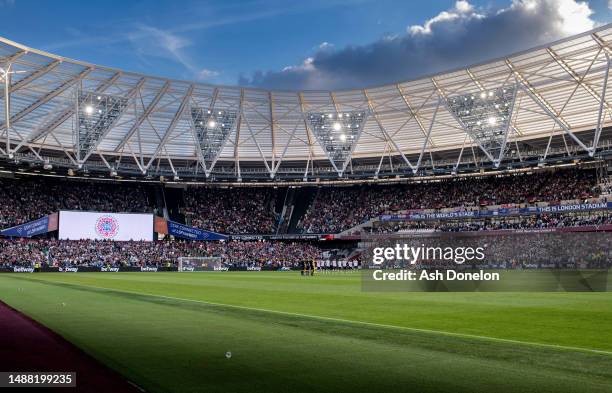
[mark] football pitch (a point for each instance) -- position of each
(170, 332)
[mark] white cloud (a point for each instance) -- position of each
(463, 11)
(206, 74)
(459, 36)
(153, 42)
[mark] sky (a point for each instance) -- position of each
(312, 44)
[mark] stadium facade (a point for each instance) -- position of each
(544, 105)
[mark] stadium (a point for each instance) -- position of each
(167, 235)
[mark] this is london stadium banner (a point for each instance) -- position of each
(501, 212)
(37, 227)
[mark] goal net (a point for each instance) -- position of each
(201, 264)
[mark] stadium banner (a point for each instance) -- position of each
(78, 225)
(280, 237)
(186, 232)
(32, 228)
(501, 212)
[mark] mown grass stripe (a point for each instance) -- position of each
(333, 319)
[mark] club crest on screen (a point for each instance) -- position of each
(107, 227)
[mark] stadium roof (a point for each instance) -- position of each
(82, 115)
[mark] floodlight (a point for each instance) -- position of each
(89, 109)
(337, 126)
(212, 124)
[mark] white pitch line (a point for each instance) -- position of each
(350, 321)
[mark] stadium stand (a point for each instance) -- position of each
(238, 210)
(338, 209)
(24, 200)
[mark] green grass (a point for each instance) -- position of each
(168, 332)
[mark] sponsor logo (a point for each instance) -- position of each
(107, 227)
(254, 268)
(220, 268)
(69, 269)
(188, 269)
(148, 269)
(109, 269)
(284, 268)
(19, 269)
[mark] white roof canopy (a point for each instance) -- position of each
(84, 112)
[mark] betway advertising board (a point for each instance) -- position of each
(76, 225)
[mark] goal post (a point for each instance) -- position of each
(201, 264)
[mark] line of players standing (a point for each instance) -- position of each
(309, 267)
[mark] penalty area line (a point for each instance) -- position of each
(347, 321)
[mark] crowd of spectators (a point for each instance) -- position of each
(25, 200)
(337, 209)
(97, 253)
(542, 221)
(235, 210)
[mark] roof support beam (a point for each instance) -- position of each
(308, 133)
(36, 74)
(387, 136)
(433, 119)
(130, 96)
(261, 153)
(579, 80)
(413, 113)
(238, 124)
(540, 100)
(63, 116)
(272, 131)
(443, 97)
(554, 117)
(177, 117)
(51, 95)
(600, 114)
(195, 138)
(142, 117)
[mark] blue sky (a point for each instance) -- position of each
(293, 44)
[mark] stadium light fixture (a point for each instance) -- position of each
(337, 133)
(486, 118)
(212, 124)
(89, 109)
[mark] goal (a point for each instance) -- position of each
(201, 264)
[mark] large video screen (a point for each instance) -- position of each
(75, 225)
